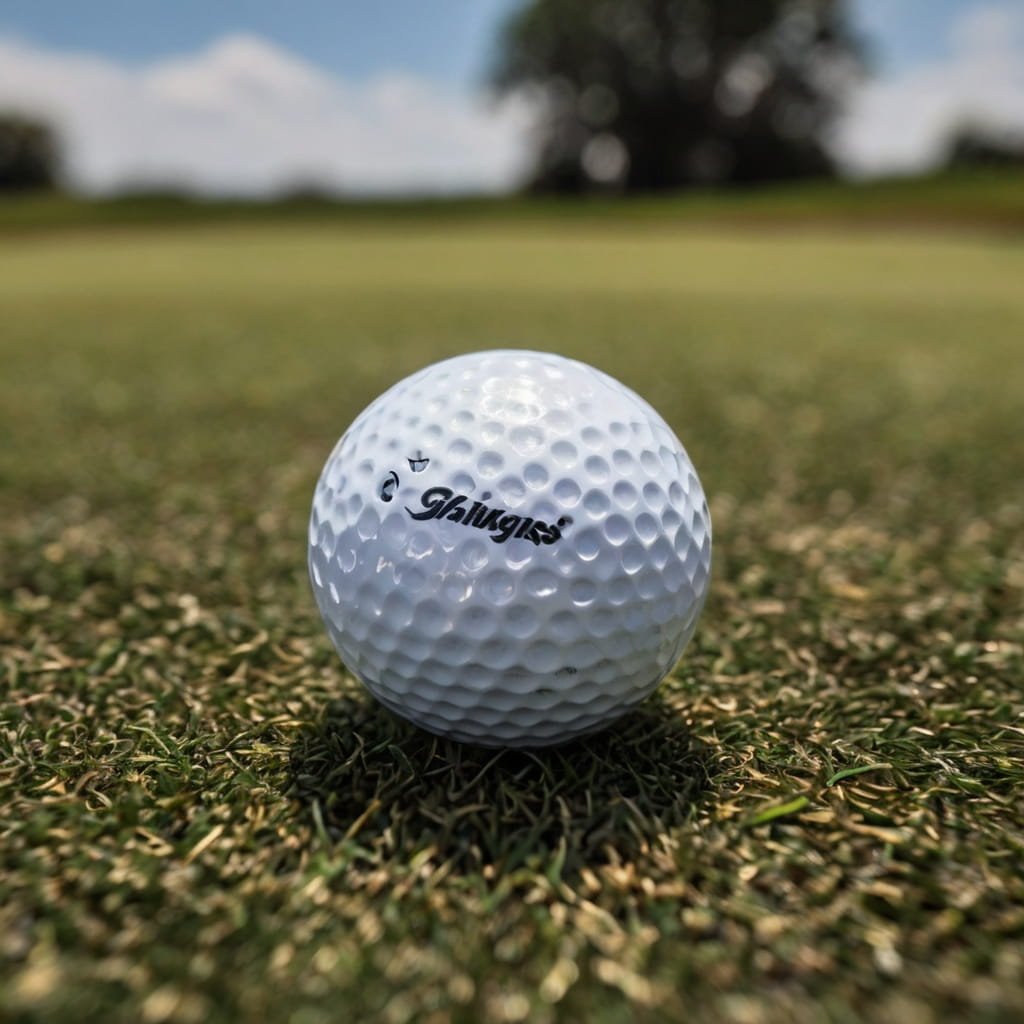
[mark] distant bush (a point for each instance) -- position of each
(29, 154)
(978, 146)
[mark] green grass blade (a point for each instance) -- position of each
(849, 773)
(780, 811)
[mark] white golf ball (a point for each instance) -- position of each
(509, 548)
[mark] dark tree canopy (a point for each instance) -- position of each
(657, 94)
(29, 154)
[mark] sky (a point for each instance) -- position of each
(254, 96)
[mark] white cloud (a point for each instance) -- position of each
(900, 123)
(247, 117)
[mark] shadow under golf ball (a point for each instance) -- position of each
(370, 779)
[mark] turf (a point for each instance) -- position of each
(817, 817)
(988, 198)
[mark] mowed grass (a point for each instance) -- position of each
(982, 198)
(819, 816)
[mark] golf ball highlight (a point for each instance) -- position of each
(510, 548)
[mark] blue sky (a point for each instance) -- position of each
(447, 41)
(906, 33)
(444, 40)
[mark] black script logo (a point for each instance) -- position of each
(387, 488)
(444, 503)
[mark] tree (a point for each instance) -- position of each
(29, 154)
(657, 94)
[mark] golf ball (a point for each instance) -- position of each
(509, 548)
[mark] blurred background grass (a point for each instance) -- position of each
(292, 327)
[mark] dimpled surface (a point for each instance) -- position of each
(509, 548)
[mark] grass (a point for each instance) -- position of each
(817, 817)
(991, 199)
